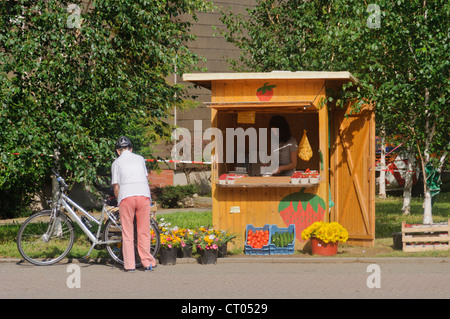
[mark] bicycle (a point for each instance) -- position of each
(46, 237)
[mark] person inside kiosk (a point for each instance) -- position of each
(287, 150)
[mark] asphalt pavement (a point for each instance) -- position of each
(254, 277)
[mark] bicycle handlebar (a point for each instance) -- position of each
(60, 179)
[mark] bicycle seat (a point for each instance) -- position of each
(111, 201)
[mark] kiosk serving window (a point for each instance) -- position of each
(248, 142)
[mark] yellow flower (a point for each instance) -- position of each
(327, 232)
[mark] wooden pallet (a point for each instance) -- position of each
(417, 238)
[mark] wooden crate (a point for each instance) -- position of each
(419, 237)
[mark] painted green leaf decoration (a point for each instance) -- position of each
(302, 198)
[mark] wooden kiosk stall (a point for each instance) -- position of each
(342, 144)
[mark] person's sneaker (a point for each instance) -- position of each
(149, 268)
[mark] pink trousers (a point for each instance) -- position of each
(139, 207)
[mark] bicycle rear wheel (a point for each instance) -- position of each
(44, 239)
(114, 232)
(156, 238)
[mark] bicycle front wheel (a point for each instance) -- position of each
(45, 239)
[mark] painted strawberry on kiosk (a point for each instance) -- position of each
(301, 209)
(265, 92)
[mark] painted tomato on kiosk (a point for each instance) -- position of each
(265, 92)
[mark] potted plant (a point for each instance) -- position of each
(171, 241)
(224, 238)
(187, 236)
(325, 237)
(207, 242)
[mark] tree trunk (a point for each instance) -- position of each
(429, 131)
(382, 179)
(409, 177)
(427, 207)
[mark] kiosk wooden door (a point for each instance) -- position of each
(352, 177)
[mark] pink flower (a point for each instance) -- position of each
(170, 245)
(183, 244)
(214, 246)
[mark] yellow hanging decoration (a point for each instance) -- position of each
(304, 149)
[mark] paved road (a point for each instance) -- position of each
(235, 278)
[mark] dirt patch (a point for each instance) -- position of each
(381, 248)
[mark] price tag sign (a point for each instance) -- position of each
(246, 117)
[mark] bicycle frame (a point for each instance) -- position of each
(66, 202)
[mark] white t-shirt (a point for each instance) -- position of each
(130, 172)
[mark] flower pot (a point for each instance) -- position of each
(168, 256)
(222, 250)
(208, 256)
(185, 252)
(397, 240)
(324, 249)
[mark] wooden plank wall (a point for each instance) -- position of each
(285, 90)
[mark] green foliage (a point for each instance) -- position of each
(169, 196)
(72, 91)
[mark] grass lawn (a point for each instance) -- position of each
(388, 216)
(388, 221)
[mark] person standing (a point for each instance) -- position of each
(130, 185)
